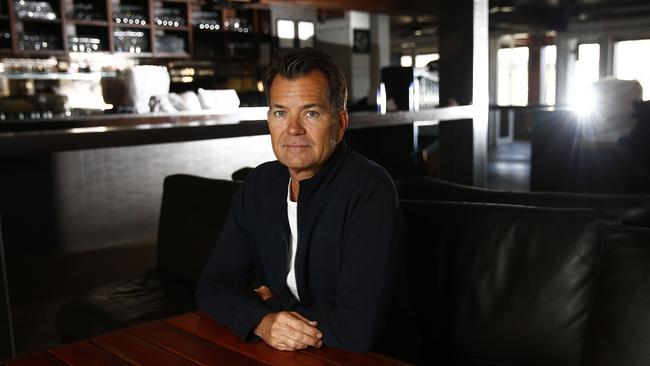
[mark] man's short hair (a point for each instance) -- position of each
(298, 62)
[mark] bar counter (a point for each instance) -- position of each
(27, 137)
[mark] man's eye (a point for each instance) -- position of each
(312, 114)
(279, 114)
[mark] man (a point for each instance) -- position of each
(315, 233)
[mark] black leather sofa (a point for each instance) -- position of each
(615, 208)
(516, 285)
(490, 284)
(192, 213)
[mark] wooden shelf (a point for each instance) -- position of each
(132, 26)
(132, 54)
(197, 29)
(172, 55)
(65, 27)
(176, 29)
(91, 23)
(47, 52)
(36, 20)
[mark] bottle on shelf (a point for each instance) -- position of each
(206, 20)
(86, 11)
(34, 10)
(129, 14)
(169, 17)
(84, 44)
(37, 42)
(131, 41)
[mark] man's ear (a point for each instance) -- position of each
(342, 124)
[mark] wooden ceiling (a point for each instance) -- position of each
(391, 7)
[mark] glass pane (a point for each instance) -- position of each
(587, 70)
(512, 76)
(306, 34)
(631, 60)
(305, 30)
(406, 61)
(286, 29)
(423, 59)
(549, 58)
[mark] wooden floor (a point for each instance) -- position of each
(509, 167)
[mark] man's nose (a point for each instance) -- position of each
(295, 126)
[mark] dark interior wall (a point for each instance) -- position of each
(390, 146)
(89, 199)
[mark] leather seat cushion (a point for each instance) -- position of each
(619, 322)
(504, 284)
(146, 297)
(613, 207)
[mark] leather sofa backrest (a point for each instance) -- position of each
(615, 208)
(619, 322)
(192, 214)
(506, 284)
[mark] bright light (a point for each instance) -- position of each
(512, 76)
(549, 58)
(381, 98)
(306, 34)
(406, 61)
(424, 59)
(631, 63)
(587, 68)
(585, 105)
(286, 29)
(305, 30)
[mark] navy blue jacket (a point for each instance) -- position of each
(349, 226)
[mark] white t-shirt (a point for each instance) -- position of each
(292, 213)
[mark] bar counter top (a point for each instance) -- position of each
(26, 137)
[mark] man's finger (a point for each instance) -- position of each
(301, 337)
(311, 322)
(292, 343)
(302, 326)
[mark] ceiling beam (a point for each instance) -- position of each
(374, 6)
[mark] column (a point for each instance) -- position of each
(463, 39)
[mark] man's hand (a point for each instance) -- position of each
(289, 331)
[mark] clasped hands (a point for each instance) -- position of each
(286, 330)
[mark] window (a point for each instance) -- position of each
(512, 76)
(424, 59)
(549, 58)
(406, 61)
(586, 70)
(286, 33)
(631, 62)
(306, 34)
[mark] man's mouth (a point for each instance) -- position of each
(296, 146)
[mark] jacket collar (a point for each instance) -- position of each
(309, 187)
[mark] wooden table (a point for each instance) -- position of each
(188, 339)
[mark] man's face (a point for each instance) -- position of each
(304, 131)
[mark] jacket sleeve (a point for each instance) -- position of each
(224, 288)
(369, 265)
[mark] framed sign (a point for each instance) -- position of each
(361, 41)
